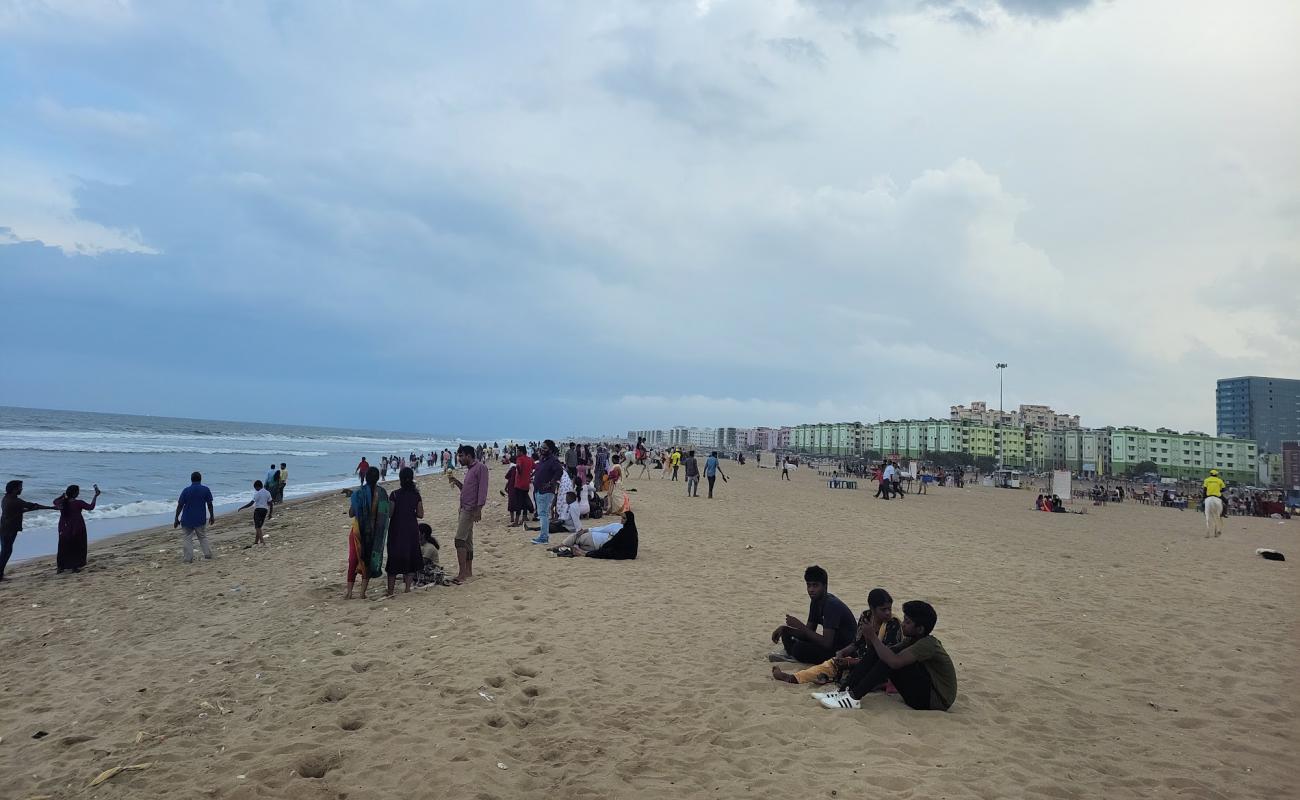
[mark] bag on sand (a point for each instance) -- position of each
(597, 507)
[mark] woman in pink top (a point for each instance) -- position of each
(72, 528)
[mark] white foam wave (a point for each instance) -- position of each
(76, 447)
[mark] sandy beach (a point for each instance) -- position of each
(1118, 654)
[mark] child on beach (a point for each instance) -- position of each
(879, 616)
(919, 668)
(263, 508)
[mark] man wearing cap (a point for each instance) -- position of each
(1213, 487)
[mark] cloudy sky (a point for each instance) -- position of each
(590, 216)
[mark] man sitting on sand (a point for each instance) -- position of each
(801, 640)
(879, 616)
(919, 668)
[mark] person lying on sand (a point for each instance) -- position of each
(919, 668)
(878, 616)
(801, 640)
(618, 541)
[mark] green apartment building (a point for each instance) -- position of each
(829, 438)
(1183, 455)
(917, 438)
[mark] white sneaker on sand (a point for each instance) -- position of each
(828, 694)
(844, 700)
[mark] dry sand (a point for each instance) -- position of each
(1117, 654)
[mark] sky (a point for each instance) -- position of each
(587, 217)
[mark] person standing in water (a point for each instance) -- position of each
(72, 528)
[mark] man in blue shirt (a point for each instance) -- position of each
(193, 515)
(712, 471)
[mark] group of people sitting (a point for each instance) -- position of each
(872, 652)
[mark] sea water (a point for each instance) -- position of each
(142, 463)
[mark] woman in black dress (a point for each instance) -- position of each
(404, 556)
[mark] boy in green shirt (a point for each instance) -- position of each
(918, 667)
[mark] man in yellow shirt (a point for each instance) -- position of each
(676, 461)
(1213, 487)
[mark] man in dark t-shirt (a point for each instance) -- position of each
(11, 520)
(801, 640)
(918, 667)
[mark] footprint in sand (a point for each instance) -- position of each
(525, 671)
(332, 694)
(496, 681)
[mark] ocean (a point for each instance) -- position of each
(141, 463)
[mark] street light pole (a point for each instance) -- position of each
(1001, 434)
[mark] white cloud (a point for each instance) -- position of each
(36, 206)
(104, 121)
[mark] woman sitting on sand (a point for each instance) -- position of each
(431, 572)
(615, 541)
(369, 511)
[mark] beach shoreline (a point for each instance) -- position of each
(1091, 661)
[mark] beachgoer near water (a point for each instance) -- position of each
(263, 505)
(191, 519)
(404, 556)
(370, 510)
(712, 470)
(430, 569)
(473, 496)
(362, 470)
(918, 667)
(280, 483)
(801, 640)
(11, 520)
(524, 466)
(546, 480)
(880, 616)
(72, 528)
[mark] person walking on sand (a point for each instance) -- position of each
(404, 556)
(277, 494)
(72, 528)
(263, 505)
(712, 470)
(473, 496)
(11, 520)
(195, 500)
(785, 468)
(369, 510)
(692, 475)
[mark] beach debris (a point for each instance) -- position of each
(481, 693)
(1271, 555)
(40, 735)
(749, 547)
(501, 765)
(1159, 707)
(108, 774)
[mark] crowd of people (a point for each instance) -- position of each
(870, 652)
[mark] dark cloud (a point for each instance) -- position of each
(869, 41)
(1043, 9)
(798, 50)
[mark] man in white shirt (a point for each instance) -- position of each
(263, 508)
